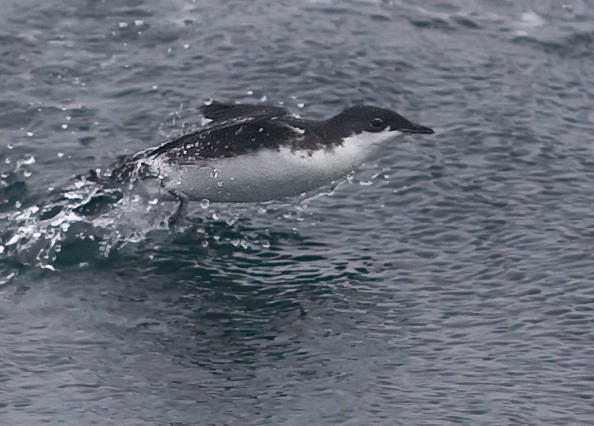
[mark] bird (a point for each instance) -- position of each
(258, 152)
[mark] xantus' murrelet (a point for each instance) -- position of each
(259, 153)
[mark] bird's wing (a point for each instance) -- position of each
(234, 136)
(219, 112)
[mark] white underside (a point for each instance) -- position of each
(266, 175)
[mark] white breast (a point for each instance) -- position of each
(265, 175)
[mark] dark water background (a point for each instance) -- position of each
(448, 281)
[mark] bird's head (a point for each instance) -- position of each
(373, 125)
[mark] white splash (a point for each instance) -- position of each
(35, 240)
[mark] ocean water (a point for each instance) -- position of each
(449, 280)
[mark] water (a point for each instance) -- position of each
(448, 280)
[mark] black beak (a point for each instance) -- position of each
(416, 128)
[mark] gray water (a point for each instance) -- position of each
(450, 280)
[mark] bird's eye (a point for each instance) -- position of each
(377, 123)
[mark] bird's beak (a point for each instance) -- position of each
(416, 128)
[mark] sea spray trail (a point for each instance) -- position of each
(87, 222)
(35, 235)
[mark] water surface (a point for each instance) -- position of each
(447, 281)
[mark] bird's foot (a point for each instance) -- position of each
(182, 209)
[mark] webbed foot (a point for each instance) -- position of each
(182, 209)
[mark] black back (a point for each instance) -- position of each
(236, 130)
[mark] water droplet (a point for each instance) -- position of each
(28, 161)
(60, 154)
(204, 203)
(263, 98)
(186, 46)
(123, 25)
(250, 92)
(64, 126)
(266, 244)
(29, 133)
(204, 243)
(301, 105)
(13, 240)
(138, 22)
